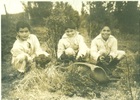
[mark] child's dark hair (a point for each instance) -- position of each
(22, 24)
(70, 24)
(105, 24)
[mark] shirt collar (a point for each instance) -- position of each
(20, 39)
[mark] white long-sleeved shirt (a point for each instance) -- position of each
(99, 45)
(30, 47)
(76, 43)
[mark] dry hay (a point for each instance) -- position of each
(53, 83)
(69, 83)
(36, 84)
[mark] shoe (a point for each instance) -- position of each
(20, 75)
(114, 62)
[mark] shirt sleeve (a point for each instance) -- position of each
(94, 50)
(38, 49)
(60, 48)
(114, 48)
(82, 46)
(18, 51)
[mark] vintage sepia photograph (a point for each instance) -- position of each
(70, 50)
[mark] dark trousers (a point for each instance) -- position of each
(109, 67)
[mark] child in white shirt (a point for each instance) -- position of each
(25, 48)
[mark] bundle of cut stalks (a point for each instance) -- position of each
(52, 84)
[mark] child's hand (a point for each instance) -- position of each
(21, 60)
(110, 58)
(30, 60)
(101, 58)
(80, 56)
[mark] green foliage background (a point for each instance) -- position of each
(122, 17)
(49, 21)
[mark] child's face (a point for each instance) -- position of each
(70, 32)
(23, 33)
(105, 32)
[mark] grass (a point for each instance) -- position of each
(46, 84)
(129, 41)
(54, 84)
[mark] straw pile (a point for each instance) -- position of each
(53, 82)
(57, 82)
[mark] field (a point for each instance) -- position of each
(52, 84)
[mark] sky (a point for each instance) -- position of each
(15, 6)
(12, 7)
